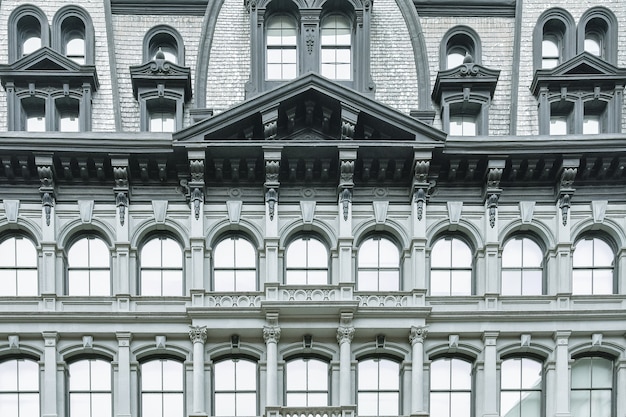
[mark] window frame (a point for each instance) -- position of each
(521, 389)
(336, 47)
(591, 22)
(306, 269)
(463, 38)
(162, 269)
(378, 359)
(590, 389)
(162, 391)
(306, 359)
(16, 34)
(379, 269)
(235, 359)
(523, 268)
(66, 22)
(88, 268)
(89, 359)
(296, 48)
(556, 24)
(19, 392)
(450, 269)
(152, 39)
(16, 267)
(450, 391)
(593, 268)
(235, 269)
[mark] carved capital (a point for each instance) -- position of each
(196, 169)
(346, 170)
(197, 334)
(345, 334)
(120, 176)
(421, 171)
(418, 334)
(272, 171)
(271, 334)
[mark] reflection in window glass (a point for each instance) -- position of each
(593, 267)
(161, 267)
(75, 50)
(520, 393)
(450, 388)
(30, 45)
(162, 122)
(307, 383)
(234, 265)
(463, 125)
(89, 271)
(592, 44)
(378, 265)
(455, 56)
(549, 54)
(378, 387)
(307, 262)
(235, 388)
(90, 388)
(336, 39)
(281, 51)
(558, 125)
(591, 124)
(18, 267)
(451, 267)
(19, 388)
(592, 387)
(162, 388)
(521, 267)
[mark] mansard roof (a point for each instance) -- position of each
(583, 71)
(312, 108)
(469, 74)
(48, 66)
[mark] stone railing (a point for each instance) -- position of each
(343, 411)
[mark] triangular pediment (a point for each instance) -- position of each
(311, 108)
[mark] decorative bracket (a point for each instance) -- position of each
(347, 159)
(269, 117)
(272, 183)
(349, 119)
(45, 170)
(492, 189)
(121, 188)
(196, 184)
(566, 186)
(421, 185)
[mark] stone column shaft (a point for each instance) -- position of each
(123, 394)
(198, 336)
(344, 338)
(490, 381)
(271, 334)
(49, 385)
(416, 337)
(562, 374)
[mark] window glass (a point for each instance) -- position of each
(75, 50)
(378, 387)
(306, 383)
(522, 271)
(235, 388)
(592, 45)
(161, 267)
(558, 125)
(378, 265)
(281, 46)
(450, 388)
(234, 263)
(307, 262)
(162, 388)
(592, 387)
(90, 388)
(463, 125)
(18, 267)
(336, 39)
(520, 393)
(549, 53)
(19, 388)
(162, 122)
(30, 45)
(88, 267)
(455, 56)
(593, 267)
(591, 124)
(451, 267)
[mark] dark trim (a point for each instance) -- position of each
(610, 38)
(466, 8)
(57, 32)
(475, 47)
(515, 71)
(117, 110)
(204, 51)
(159, 7)
(167, 30)
(568, 37)
(17, 14)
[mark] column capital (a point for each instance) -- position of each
(50, 338)
(418, 334)
(197, 334)
(271, 334)
(123, 338)
(561, 337)
(345, 334)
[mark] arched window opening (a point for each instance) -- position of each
(235, 392)
(307, 383)
(166, 44)
(282, 48)
(33, 114)
(451, 267)
(593, 267)
(90, 388)
(552, 44)
(89, 270)
(29, 35)
(19, 388)
(306, 262)
(162, 393)
(520, 387)
(378, 392)
(450, 388)
(378, 265)
(73, 39)
(234, 265)
(336, 44)
(18, 267)
(67, 110)
(522, 272)
(161, 261)
(592, 387)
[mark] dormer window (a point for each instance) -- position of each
(554, 40)
(34, 114)
(73, 34)
(282, 48)
(597, 34)
(550, 54)
(459, 45)
(28, 31)
(336, 48)
(162, 115)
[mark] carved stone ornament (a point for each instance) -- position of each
(48, 202)
(46, 178)
(492, 203)
(346, 173)
(568, 176)
(564, 205)
(418, 334)
(272, 170)
(346, 198)
(121, 202)
(493, 178)
(250, 5)
(196, 200)
(345, 334)
(271, 334)
(120, 175)
(271, 198)
(421, 171)
(196, 168)
(347, 130)
(310, 40)
(420, 199)
(197, 334)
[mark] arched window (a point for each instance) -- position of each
(234, 265)
(89, 271)
(28, 31)
(90, 388)
(522, 272)
(162, 393)
(520, 387)
(19, 388)
(451, 267)
(593, 266)
(336, 44)
(33, 114)
(18, 267)
(306, 383)
(235, 388)
(450, 388)
(73, 34)
(306, 262)
(168, 41)
(30, 35)
(553, 39)
(282, 48)
(592, 387)
(161, 261)
(457, 44)
(161, 115)
(378, 391)
(597, 33)
(68, 114)
(378, 265)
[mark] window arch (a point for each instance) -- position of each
(553, 39)
(281, 48)
(336, 47)
(235, 387)
(162, 392)
(593, 263)
(451, 263)
(592, 387)
(378, 387)
(450, 387)
(306, 382)
(89, 383)
(522, 267)
(457, 44)
(161, 270)
(18, 267)
(89, 271)
(73, 34)
(168, 41)
(521, 387)
(597, 34)
(234, 265)
(306, 261)
(28, 31)
(19, 387)
(378, 265)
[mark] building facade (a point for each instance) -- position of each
(312, 208)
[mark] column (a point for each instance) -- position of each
(490, 394)
(271, 335)
(198, 334)
(416, 337)
(49, 385)
(345, 333)
(562, 374)
(123, 394)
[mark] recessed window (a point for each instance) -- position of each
(455, 56)
(464, 117)
(306, 262)
(463, 125)
(378, 265)
(595, 117)
(31, 44)
(18, 267)
(550, 54)
(378, 387)
(75, 50)
(307, 383)
(596, 32)
(67, 110)
(166, 44)
(19, 388)
(162, 115)
(162, 388)
(522, 272)
(554, 45)
(235, 392)
(450, 388)
(90, 388)
(520, 387)
(593, 267)
(336, 41)
(29, 33)
(592, 387)
(73, 39)
(281, 43)
(33, 114)
(89, 270)
(234, 263)
(561, 114)
(461, 43)
(451, 267)
(161, 267)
